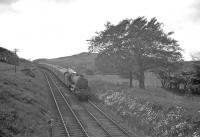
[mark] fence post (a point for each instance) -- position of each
(50, 123)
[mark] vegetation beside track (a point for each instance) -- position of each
(155, 111)
(23, 104)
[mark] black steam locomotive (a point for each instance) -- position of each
(76, 83)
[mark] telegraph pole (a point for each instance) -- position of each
(15, 51)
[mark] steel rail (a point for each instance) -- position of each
(91, 115)
(99, 123)
(70, 109)
(57, 106)
(118, 126)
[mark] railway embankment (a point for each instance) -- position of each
(23, 101)
(155, 112)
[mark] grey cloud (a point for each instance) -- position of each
(6, 9)
(195, 16)
(5, 6)
(7, 2)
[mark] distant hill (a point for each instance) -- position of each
(80, 62)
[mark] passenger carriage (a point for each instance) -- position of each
(76, 83)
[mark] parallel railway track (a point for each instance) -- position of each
(82, 120)
(112, 127)
(69, 122)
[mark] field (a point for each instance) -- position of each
(150, 80)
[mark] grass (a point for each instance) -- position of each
(22, 101)
(150, 80)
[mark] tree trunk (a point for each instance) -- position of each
(131, 79)
(141, 80)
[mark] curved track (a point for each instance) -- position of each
(85, 119)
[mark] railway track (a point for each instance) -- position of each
(69, 124)
(92, 121)
(112, 127)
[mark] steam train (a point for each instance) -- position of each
(76, 83)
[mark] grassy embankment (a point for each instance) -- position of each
(23, 101)
(155, 111)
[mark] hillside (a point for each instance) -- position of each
(8, 56)
(23, 109)
(80, 62)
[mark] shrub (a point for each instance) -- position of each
(28, 72)
(89, 72)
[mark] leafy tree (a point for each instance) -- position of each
(134, 46)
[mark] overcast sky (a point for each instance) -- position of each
(55, 28)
